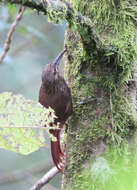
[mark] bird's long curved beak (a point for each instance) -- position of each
(57, 60)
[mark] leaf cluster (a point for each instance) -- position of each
(22, 123)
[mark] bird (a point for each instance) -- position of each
(55, 93)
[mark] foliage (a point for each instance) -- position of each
(22, 123)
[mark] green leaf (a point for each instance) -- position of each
(22, 123)
(12, 10)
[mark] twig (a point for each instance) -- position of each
(28, 127)
(37, 5)
(85, 101)
(10, 33)
(19, 175)
(45, 179)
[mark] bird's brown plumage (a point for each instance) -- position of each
(54, 92)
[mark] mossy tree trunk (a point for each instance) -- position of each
(101, 69)
(103, 85)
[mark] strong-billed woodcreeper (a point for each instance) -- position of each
(54, 92)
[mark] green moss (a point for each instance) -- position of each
(105, 118)
(122, 118)
(82, 139)
(116, 169)
(115, 23)
(108, 15)
(103, 75)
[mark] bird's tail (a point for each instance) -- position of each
(57, 154)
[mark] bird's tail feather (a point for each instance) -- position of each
(56, 152)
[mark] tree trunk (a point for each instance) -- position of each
(103, 85)
(101, 69)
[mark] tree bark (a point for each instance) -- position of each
(103, 85)
(101, 71)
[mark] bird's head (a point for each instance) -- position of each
(50, 73)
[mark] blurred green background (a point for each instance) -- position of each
(34, 44)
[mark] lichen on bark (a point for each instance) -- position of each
(104, 78)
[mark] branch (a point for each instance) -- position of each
(10, 33)
(19, 175)
(37, 5)
(45, 179)
(57, 10)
